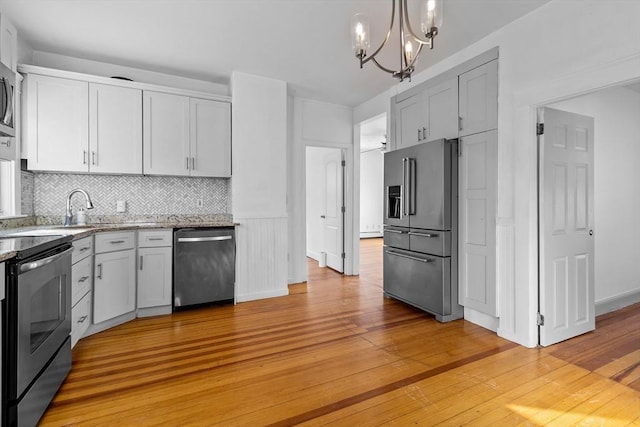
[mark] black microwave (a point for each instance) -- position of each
(7, 85)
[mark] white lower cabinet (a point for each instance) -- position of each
(81, 284)
(114, 289)
(154, 270)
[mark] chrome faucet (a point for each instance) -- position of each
(69, 215)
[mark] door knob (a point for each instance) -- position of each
(590, 232)
(322, 216)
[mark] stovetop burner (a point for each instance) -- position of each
(27, 246)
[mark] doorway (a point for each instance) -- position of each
(616, 275)
(325, 206)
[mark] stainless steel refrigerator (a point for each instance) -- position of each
(420, 227)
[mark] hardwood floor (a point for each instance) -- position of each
(342, 354)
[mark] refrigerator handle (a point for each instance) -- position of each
(412, 190)
(404, 193)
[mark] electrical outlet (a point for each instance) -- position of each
(199, 203)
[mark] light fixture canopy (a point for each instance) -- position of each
(410, 43)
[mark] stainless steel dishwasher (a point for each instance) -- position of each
(203, 266)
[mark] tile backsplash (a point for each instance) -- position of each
(144, 195)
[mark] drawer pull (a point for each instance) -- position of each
(115, 242)
(83, 279)
(155, 238)
(86, 248)
(410, 257)
(395, 231)
(82, 319)
(412, 233)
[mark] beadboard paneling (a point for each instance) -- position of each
(261, 258)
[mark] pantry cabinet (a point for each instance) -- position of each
(77, 126)
(114, 288)
(186, 136)
(478, 107)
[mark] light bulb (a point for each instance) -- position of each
(360, 33)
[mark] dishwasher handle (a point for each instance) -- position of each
(203, 239)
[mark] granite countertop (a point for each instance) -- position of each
(79, 231)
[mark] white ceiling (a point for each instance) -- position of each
(303, 42)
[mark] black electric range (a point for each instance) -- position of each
(28, 246)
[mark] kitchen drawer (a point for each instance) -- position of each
(396, 237)
(82, 248)
(155, 238)
(430, 242)
(81, 279)
(420, 280)
(80, 318)
(116, 241)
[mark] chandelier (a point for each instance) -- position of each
(410, 43)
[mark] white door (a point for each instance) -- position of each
(409, 122)
(332, 206)
(441, 109)
(566, 226)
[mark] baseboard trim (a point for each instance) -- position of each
(481, 319)
(297, 288)
(370, 234)
(617, 302)
(262, 295)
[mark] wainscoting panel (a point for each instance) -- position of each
(261, 258)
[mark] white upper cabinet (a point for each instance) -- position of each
(478, 106)
(57, 124)
(77, 126)
(428, 115)
(186, 136)
(210, 139)
(166, 134)
(8, 43)
(115, 129)
(441, 105)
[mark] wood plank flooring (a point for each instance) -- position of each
(341, 354)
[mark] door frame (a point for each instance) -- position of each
(518, 258)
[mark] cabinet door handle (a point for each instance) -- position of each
(99, 273)
(155, 238)
(459, 123)
(424, 132)
(86, 248)
(193, 163)
(6, 143)
(187, 159)
(141, 262)
(83, 279)
(82, 319)
(93, 157)
(115, 242)
(419, 134)
(84, 157)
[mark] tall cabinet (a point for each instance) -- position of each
(463, 104)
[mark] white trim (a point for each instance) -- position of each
(617, 302)
(33, 69)
(154, 311)
(261, 295)
(481, 319)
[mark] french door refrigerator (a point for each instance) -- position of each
(420, 227)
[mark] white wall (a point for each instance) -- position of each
(616, 114)
(371, 193)
(259, 185)
(317, 124)
(549, 54)
(314, 162)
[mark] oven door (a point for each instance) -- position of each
(43, 313)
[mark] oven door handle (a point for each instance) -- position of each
(29, 266)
